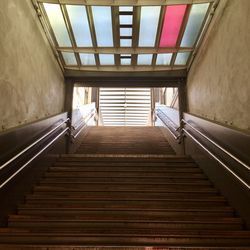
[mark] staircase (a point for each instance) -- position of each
(115, 196)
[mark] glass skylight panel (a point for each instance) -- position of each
(107, 59)
(57, 23)
(125, 55)
(196, 18)
(164, 59)
(126, 19)
(145, 59)
(103, 25)
(125, 42)
(87, 59)
(125, 61)
(172, 24)
(126, 8)
(69, 58)
(148, 25)
(80, 25)
(182, 58)
(125, 31)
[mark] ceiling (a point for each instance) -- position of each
(124, 36)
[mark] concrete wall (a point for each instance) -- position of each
(218, 86)
(31, 82)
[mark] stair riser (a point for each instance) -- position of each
(119, 200)
(122, 215)
(125, 160)
(142, 189)
(127, 225)
(126, 174)
(110, 164)
(117, 196)
(126, 167)
(130, 180)
(126, 187)
(126, 241)
(123, 205)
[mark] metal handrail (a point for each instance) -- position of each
(217, 145)
(218, 160)
(78, 125)
(30, 160)
(170, 131)
(85, 124)
(175, 129)
(32, 145)
(207, 150)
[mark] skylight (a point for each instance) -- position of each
(148, 25)
(87, 59)
(172, 24)
(80, 25)
(163, 36)
(107, 59)
(103, 25)
(58, 25)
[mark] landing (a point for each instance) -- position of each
(124, 140)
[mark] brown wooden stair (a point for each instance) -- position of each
(107, 201)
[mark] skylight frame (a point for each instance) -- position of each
(134, 50)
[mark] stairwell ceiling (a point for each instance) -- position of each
(124, 36)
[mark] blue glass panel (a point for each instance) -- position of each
(80, 25)
(107, 59)
(57, 23)
(164, 59)
(196, 18)
(125, 42)
(69, 58)
(126, 19)
(125, 61)
(125, 54)
(145, 59)
(149, 25)
(125, 31)
(103, 25)
(126, 8)
(87, 59)
(182, 58)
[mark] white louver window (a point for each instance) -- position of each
(125, 106)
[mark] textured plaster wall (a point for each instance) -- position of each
(218, 86)
(31, 82)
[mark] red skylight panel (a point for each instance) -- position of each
(172, 24)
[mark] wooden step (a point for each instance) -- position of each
(123, 214)
(121, 180)
(139, 169)
(111, 163)
(125, 158)
(233, 241)
(127, 174)
(126, 204)
(78, 223)
(47, 199)
(127, 195)
(168, 188)
(222, 209)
